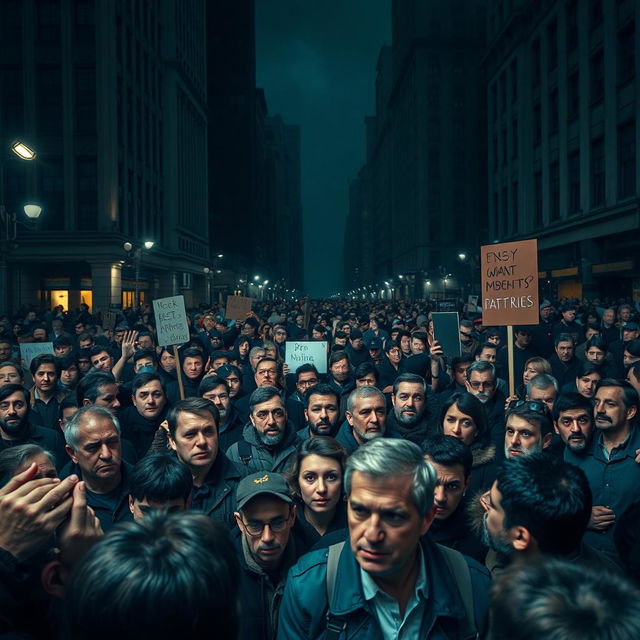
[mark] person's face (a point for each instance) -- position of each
(220, 398)
(300, 320)
(168, 361)
(595, 354)
(564, 350)
(84, 364)
(523, 339)
(143, 362)
(78, 328)
(103, 361)
(256, 357)
(234, 385)
(13, 414)
(610, 412)
(270, 420)
(587, 384)
(276, 518)
(280, 335)
(384, 524)
(69, 377)
(45, 378)
(545, 313)
(629, 334)
(150, 400)
(39, 335)
(368, 418)
(340, 370)
(625, 314)
(108, 397)
(216, 343)
(320, 482)
(466, 335)
(629, 358)
(248, 330)
(9, 375)
(306, 380)
(46, 468)
(85, 343)
(192, 367)
(494, 340)
(530, 371)
(489, 355)
(569, 316)
(62, 350)
(118, 336)
(322, 414)
(608, 317)
(459, 425)
(417, 346)
(67, 413)
(409, 402)
(271, 352)
(5, 351)
(243, 350)
(575, 426)
(522, 438)
(142, 508)
(317, 335)
(494, 534)
(548, 396)
(208, 323)
(367, 381)
(589, 333)
(196, 440)
(405, 344)
(460, 373)
(98, 450)
(357, 343)
(395, 355)
(450, 488)
(266, 374)
(219, 362)
(482, 385)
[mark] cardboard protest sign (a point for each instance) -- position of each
(298, 353)
(509, 275)
(446, 330)
(171, 320)
(29, 350)
(237, 307)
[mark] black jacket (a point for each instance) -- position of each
(231, 431)
(138, 430)
(50, 440)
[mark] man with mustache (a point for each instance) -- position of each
(528, 430)
(414, 407)
(482, 382)
(321, 412)
(609, 462)
(573, 421)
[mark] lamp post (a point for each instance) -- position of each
(136, 255)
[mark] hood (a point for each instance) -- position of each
(483, 455)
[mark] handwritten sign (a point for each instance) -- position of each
(171, 321)
(237, 307)
(509, 274)
(315, 353)
(29, 350)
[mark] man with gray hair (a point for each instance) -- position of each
(543, 388)
(482, 382)
(394, 582)
(93, 442)
(268, 439)
(366, 418)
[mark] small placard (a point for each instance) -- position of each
(171, 321)
(307, 352)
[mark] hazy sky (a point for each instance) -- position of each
(316, 60)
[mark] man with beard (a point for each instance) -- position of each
(538, 505)
(415, 407)
(609, 462)
(321, 412)
(193, 435)
(564, 364)
(141, 421)
(268, 440)
(528, 430)
(15, 428)
(481, 381)
(266, 375)
(307, 376)
(216, 390)
(573, 422)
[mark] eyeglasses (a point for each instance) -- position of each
(488, 384)
(276, 525)
(531, 405)
(266, 372)
(308, 383)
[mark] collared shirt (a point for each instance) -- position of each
(387, 609)
(617, 450)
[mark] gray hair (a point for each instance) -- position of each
(13, 458)
(263, 394)
(254, 351)
(388, 457)
(481, 366)
(72, 428)
(364, 392)
(541, 381)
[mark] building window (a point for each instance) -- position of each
(553, 112)
(626, 54)
(574, 183)
(597, 173)
(537, 211)
(626, 160)
(573, 96)
(535, 62)
(537, 124)
(596, 71)
(554, 191)
(552, 45)
(572, 25)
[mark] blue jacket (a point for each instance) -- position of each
(304, 607)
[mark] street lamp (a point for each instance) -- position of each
(23, 150)
(137, 259)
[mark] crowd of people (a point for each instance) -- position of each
(392, 490)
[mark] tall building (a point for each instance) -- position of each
(563, 140)
(426, 146)
(112, 95)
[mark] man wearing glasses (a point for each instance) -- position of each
(266, 550)
(481, 381)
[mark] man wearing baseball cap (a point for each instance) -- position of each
(266, 550)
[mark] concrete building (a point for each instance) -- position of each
(563, 140)
(112, 95)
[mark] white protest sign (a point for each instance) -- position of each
(171, 321)
(29, 350)
(315, 353)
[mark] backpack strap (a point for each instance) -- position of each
(335, 624)
(244, 452)
(460, 570)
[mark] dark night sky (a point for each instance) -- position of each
(316, 60)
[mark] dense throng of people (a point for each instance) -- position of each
(387, 489)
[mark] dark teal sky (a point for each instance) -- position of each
(316, 60)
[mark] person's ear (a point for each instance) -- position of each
(349, 416)
(53, 578)
(131, 503)
(71, 453)
(521, 538)
(555, 427)
(631, 412)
